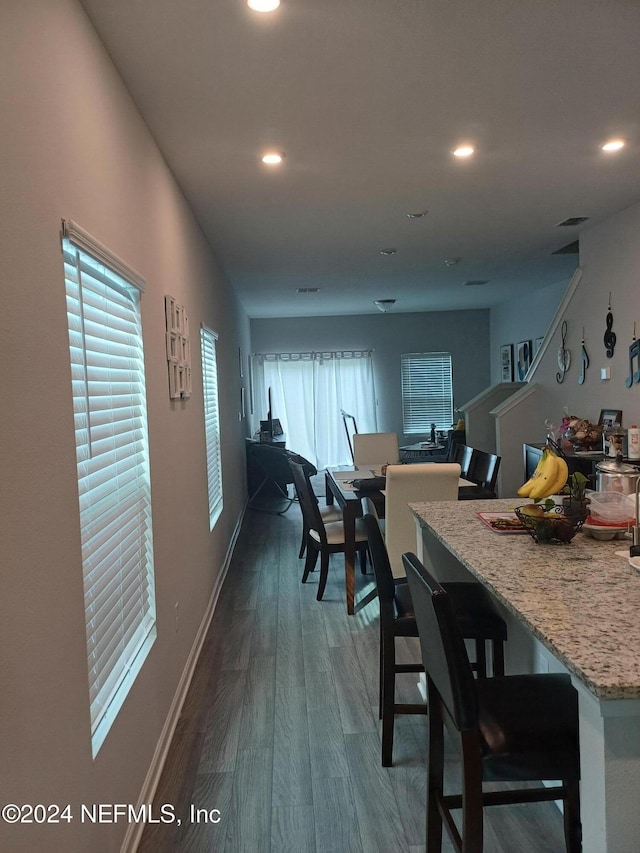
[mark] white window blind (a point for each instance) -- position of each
(211, 423)
(108, 384)
(427, 394)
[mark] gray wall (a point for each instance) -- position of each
(73, 145)
(465, 334)
(609, 261)
(525, 317)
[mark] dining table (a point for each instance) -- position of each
(571, 607)
(339, 489)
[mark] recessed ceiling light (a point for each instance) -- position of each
(263, 5)
(463, 151)
(272, 158)
(388, 251)
(384, 305)
(613, 145)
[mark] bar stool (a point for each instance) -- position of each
(517, 728)
(475, 613)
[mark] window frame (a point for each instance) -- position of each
(423, 377)
(211, 407)
(112, 459)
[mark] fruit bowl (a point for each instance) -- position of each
(551, 527)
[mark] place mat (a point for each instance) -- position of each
(502, 522)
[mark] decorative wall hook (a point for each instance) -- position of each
(564, 355)
(585, 361)
(609, 336)
(634, 352)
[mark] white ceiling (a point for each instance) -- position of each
(368, 98)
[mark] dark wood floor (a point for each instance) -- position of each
(280, 728)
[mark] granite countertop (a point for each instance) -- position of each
(580, 599)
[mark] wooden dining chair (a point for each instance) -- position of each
(478, 618)
(375, 448)
(519, 728)
(483, 473)
(322, 538)
(413, 483)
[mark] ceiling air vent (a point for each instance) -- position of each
(571, 221)
(307, 289)
(477, 282)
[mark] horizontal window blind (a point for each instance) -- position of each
(108, 383)
(427, 393)
(211, 423)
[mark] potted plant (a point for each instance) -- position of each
(576, 503)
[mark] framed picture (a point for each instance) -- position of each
(610, 417)
(506, 363)
(524, 357)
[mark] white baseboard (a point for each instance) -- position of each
(135, 828)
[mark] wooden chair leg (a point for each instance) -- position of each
(309, 563)
(303, 543)
(363, 560)
(435, 773)
(324, 574)
(388, 699)
(472, 804)
(572, 822)
(380, 673)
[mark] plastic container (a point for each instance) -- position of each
(611, 508)
(633, 442)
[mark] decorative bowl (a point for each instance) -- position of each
(551, 528)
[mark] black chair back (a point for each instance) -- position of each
(308, 502)
(483, 469)
(443, 650)
(378, 551)
(462, 455)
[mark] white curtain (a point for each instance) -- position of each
(308, 390)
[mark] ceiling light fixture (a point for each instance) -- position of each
(263, 5)
(451, 262)
(463, 151)
(272, 158)
(613, 145)
(384, 305)
(417, 215)
(388, 251)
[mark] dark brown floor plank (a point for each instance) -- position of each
(279, 730)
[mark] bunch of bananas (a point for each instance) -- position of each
(548, 479)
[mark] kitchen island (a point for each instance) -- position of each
(573, 608)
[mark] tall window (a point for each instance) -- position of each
(211, 423)
(308, 391)
(427, 395)
(108, 385)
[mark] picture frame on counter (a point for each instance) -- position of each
(610, 417)
(524, 357)
(506, 363)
